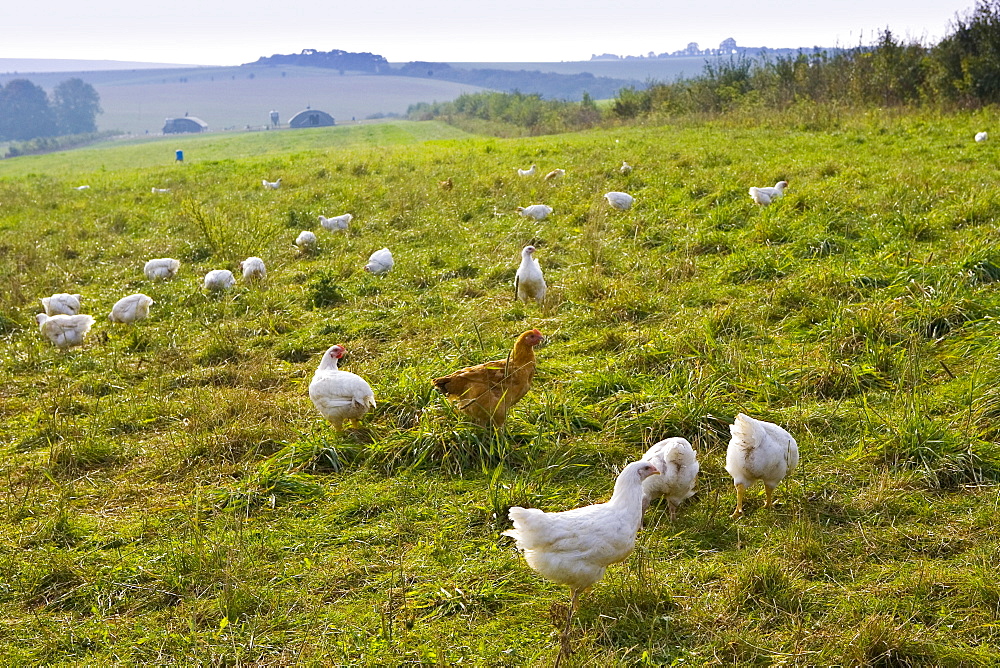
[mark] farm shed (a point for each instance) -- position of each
(186, 124)
(311, 118)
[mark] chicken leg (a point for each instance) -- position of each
(564, 648)
(740, 489)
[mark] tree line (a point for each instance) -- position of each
(960, 71)
(335, 59)
(27, 112)
(511, 114)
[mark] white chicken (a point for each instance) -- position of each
(764, 196)
(574, 547)
(306, 241)
(982, 136)
(380, 262)
(536, 211)
(625, 169)
(271, 185)
(253, 269)
(677, 463)
(336, 223)
(64, 331)
(339, 395)
(530, 171)
(160, 191)
(161, 268)
(619, 200)
(762, 451)
(528, 281)
(219, 279)
(61, 303)
(130, 309)
(555, 174)
(84, 187)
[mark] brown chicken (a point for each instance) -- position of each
(487, 391)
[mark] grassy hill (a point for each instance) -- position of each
(236, 98)
(213, 147)
(137, 101)
(172, 496)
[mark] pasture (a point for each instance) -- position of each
(233, 98)
(171, 496)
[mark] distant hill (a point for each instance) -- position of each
(137, 97)
(238, 98)
(570, 86)
(551, 85)
(335, 60)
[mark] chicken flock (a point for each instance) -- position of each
(571, 547)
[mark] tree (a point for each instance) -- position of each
(76, 106)
(25, 112)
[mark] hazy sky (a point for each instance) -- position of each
(229, 32)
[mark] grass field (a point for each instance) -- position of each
(172, 497)
(138, 101)
(215, 147)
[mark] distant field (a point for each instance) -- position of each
(138, 101)
(232, 98)
(656, 69)
(237, 103)
(200, 149)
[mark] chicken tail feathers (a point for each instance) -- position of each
(744, 431)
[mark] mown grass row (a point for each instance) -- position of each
(172, 496)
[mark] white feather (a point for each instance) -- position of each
(574, 547)
(536, 211)
(61, 303)
(161, 268)
(253, 269)
(529, 283)
(219, 279)
(761, 451)
(336, 223)
(764, 196)
(619, 200)
(64, 331)
(131, 308)
(677, 463)
(380, 262)
(306, 240)
(339, 395)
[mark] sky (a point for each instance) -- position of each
(231, 32)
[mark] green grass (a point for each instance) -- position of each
(213, 147)
(172, 497)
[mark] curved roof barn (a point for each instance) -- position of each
(311, 118)
(185, 124)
